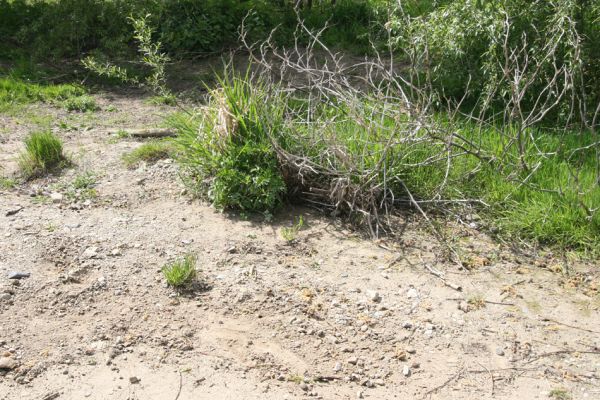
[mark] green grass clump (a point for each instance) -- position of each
(227, 152)
(181, 272)
(43, 153)
(165, 99)
(149, 152)
(83, 103)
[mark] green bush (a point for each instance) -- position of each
(464, 42)
(43, 153)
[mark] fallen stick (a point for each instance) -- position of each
(146, 132)
(441, 276)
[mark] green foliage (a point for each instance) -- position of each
(233, 162)
(230, 158)
(181, 272)
(82, 188)
(151, 57)
(149, 152)
(43, 153)
(84, 181)
(81, 103)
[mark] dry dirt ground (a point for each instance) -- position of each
(334, 316)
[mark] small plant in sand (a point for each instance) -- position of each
(43, 153)
(291, 233)
(181, 272)
(81, 104)
(560, 394)
(476, 302)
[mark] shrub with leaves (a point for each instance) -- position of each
(462, 48)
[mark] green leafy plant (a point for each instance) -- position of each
(181, 272)
(82, 187)
(43, 153)
(151, 56)
(86, 180)
(291, 233)
(81, 104)
(149, 152)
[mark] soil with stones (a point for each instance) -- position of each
(330, 316)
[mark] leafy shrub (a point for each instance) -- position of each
(43, 152)
(469, 43)
(181, 272)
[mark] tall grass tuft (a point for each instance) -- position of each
(227, 152)
(43, 153)
(181, 272)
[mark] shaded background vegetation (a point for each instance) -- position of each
(187, 28)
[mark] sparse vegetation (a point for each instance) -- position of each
(476, 301)
(149, 152)
(7, 183)
(43, 153)
(181, 272)
(560, 394)
(82, 188)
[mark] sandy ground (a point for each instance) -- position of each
(333, 316)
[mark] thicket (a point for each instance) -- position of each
(500, 53)
(187, 28)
